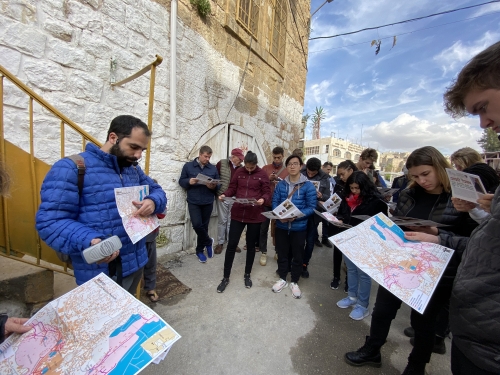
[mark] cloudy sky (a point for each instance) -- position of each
(393, 100)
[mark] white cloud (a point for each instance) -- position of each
(319, 93)
(407, 132)
(489, 8)
(357, 91)
(459, 53)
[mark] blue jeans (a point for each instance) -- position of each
(359, 283)
(200, 217)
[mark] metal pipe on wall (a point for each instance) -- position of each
(173, 68)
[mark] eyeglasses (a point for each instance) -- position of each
(293, 164)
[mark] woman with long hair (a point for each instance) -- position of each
(428, 197)
(363, 199)
(249, 182)
(344, 170)
(465, 157)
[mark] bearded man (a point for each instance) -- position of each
(73, 215)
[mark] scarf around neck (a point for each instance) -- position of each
(353, 201)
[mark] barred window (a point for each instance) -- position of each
(248, 15)
(347, 155)
(356, 158)
(278, 31)
(336, 153)
(327, 148)
(312, 150)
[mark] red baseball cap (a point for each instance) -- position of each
(238, 153)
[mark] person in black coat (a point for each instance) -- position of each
(362, 199)
(428, 197)
(344, 170)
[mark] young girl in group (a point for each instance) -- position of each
(428, 197)
(290, 234)
(247, 182)
(344, 170)
(363, 199)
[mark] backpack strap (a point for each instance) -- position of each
(281, 170)
(80, 164)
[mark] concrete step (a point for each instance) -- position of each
(23, 287)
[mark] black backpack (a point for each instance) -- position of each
(80, 164)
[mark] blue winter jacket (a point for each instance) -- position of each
(304, 199)
(198, 194)
(67, 220)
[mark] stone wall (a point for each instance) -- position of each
(62, 49)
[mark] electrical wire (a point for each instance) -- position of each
(242, 78)
(405, 21)
(301, 15)
(409, 32)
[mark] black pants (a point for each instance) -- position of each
(235, 230)
(264, 231)
(461, 365)
(286, 243)
(386, 308)
(324, 232)
(200, 217)
(311, 236)
(337, 254)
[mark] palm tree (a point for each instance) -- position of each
(319, 114)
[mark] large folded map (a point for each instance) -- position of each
(97, 328)
(410, 270)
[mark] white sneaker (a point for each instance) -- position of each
(279, 285)
(296, 293)
(263, 259)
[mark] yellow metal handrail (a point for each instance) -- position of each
(144, 70)
(34, 96)
(34, 164)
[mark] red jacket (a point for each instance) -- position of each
(245, 184)
(270, 169)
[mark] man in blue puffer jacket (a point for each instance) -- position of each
(70, 221)
(290, 234)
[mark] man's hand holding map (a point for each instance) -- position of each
(136, 226)
(286, 210)
(97, 328)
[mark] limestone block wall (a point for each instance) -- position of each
(62, 49)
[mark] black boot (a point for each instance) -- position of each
(439, 346)
(366, 355)
(414, 368)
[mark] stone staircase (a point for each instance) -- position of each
(24, 288)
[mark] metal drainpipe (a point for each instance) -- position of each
(173, 68)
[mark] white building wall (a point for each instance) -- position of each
(62, 50)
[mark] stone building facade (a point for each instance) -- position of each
(393, 161)
(335, 150)
(243, 65)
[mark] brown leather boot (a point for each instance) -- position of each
(218, 249)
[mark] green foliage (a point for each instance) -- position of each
(203, 7)
(489, 141)
(162, 239)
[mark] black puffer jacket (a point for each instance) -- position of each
(443, 212)
(344, 212)
(373, 206)
(475, 299)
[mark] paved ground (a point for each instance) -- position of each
(255, 331)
